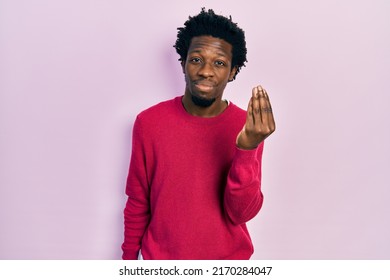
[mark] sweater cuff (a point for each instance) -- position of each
(129, 254)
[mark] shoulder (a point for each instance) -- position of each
(158, 111)
(236, 109)
(236, 112)
(163, 106)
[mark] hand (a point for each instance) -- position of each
(259, 122)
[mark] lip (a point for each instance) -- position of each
(204, 86)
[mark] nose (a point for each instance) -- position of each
(206, 70)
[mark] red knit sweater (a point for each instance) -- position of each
(190, 189)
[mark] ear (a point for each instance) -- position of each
(183, 65)
(232, 73)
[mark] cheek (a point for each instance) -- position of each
(225, 76)
(187, 72)
(187, 75)
(187, 80)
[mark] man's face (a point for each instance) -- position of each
(207, 69)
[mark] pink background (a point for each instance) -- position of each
(74, 74)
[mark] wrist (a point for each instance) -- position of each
(243, 143)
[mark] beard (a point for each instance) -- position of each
(202, 102)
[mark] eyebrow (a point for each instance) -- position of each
(199, 50)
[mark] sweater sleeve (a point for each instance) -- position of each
(137, 211)
(243, 197)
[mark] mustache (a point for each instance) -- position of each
(204, 81)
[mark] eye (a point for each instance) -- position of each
(195, 60)
(220, 63)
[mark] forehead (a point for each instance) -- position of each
(210, 44)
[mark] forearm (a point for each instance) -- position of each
(243, 197)
(136, 218)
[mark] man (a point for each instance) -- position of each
(195, 170)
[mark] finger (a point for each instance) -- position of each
(271, 115)
(264, 105)
(256, 106)
(271, 121)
